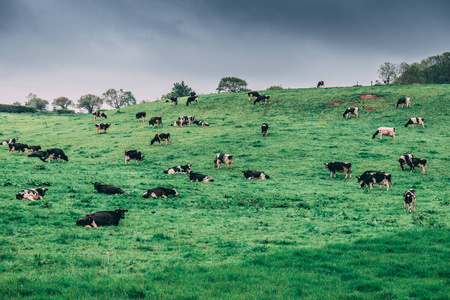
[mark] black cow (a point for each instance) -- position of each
(133, 154)
(201, 123)
(249, 174)
(409, 199)
(178, 170)
(10, 141)
(416, 121)
(191, 99)
(40, 154)
(193, 94)
(377, 177)
(160, 193)
(103, 218)
(252, 94)
(102, 126)
(341, 167)
(185, 120)
(405, 159)
(199, 177)
(107, 189)
(31, 194)
(141, 115)
(264, 128)
(417, 162)
(161, 137)
(223, 159)
(32, 148)
(174, 100)
(17, 147)
(55, 153)
(99, 114)
(351, 111)
(320, 83)
(264, 98)
(403, 101)
(155, 120)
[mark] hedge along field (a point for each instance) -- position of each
(300, 234)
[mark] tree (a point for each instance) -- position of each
(388, 72)
(231, 85)
(62, 102)
(181, 89)
(119, 98)
(90, 102)
(30, 97)
(39, 103)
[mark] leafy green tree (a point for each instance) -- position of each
(275, 87)
(39, 103)
(62, 102)
(118, 99)
(388, 72)
(181, 89)
(17, 103)
(30, 97)
(90, 102)
(231, 85)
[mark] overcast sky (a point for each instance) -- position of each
(71, 48)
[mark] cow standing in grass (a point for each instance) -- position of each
(384, 131)
(133, 154)
(174, 100)
(264, 128)
(155, 120)
(402, 101)
(161, 137)
(253, 94)
(375, 177)
(405, 160)
(223, 159)
(417, 121)
(142, 115)
(341, 167)
(102, 126)
(320, 83)
(351, 111)
(409, 199)
(99, 114)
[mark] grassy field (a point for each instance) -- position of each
(298, 235)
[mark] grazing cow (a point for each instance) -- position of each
(417, 162)
(55, 153)
(174, 100)
(405, 159)
(252, 94)
(160, 193)
(341, 167)
(102, 126)
(403, 101)
(10, 141)
(249, 174)
(264, 99)
(103, 218)
(40, 154)
(178, 170)
(223, 159)
(351, 111)
(32, 148)
(199, 177)
(141, 115)
(416, 121)
(377, 177)
(320, 83)
(17, 147)
(107, 189)
(201, 123)
(193, 94)
(99, 114)
(384, 131)
(185, 120)
(161, 137)
(191, 99)
(409, 199)
(264, 128)
(31, 194)
(175, 123)
(133, 154)
(155, 120)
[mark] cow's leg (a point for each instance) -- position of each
(414, 203)
(423, 169)
(404, 204)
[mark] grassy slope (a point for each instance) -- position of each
(249, 230)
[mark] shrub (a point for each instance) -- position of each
(17, 109)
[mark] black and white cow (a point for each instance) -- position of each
(175, 123)
(40, 154)
(55, 153)
(103, 218)
(31, 194)
(351, 111)
(198, 177)
(178, 170)
(341, 167)
(375, 177)
(155, 120)
(160, 193)
(320, 83)
(262, 99)
(102, 126)
(191, 99)
(142, 115)
(32, 148)
(174, 100)
(253, 94)
(249, 174)
(17, 147)
(99, 114)
(133, 154)
(161, 137)
(417, 162)
(409, 199)
(402, 101)
(10, 141)
(185, 120)
(223, 159)
(418, 121)
(201, 123)
(264, 128)
(384, 131)
(405, 160)
(107, 189)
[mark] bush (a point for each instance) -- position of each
(275, 87)
(17, 109)
(65, 111)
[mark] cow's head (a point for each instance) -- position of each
(375, 134)
(41, 191)
(121, 212)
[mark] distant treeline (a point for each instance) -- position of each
(432, 70)
(29, 109)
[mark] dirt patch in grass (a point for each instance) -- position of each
(368, 96)
(369, 108)
(336, 103)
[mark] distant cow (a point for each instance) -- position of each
(185, 120)
(10, 141)
(223, 159)
(418, 121)
(252, 94)
(161, 137)
(141, 115)
(99, 114)
(155, 120)
(40, 154)
(264, 99)
(384, 131)
(264, 128)
(103, 218)
(17, 147)
(249, 174)
(55, 153)
(405, 160)
(375, 177)
(174, 100)
(107, 189)
(175, 123)
(417, 162)
(341, 167)
(320, 83)
(199, 177)
(133, 154)
(191, 99)
(32, 148)
(351, 111)
(409, 199)
(160, 193)
(102, 126)
(403, 101)
(178, 170)
(201, 123)
(31, 194)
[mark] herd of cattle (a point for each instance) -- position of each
(113, 217)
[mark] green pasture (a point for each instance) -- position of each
(298, 235)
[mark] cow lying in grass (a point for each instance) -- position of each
(198, 177)
(103, 218)
(178, 170)
(10, 141)
(31, 194)
(250, 174)
(107, 189)
(160, 193)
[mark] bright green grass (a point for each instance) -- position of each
(300, 234)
